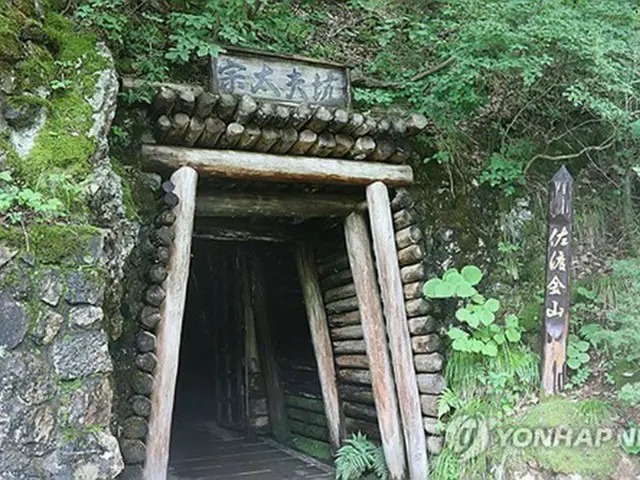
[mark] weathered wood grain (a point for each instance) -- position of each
(319, 327)
(170, 329)
(268, 167)
(390, 282)
(362, 266)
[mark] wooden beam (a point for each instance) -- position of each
(297, 206)
(319, 327)
(375, 336)
(269, 167)
(275, 395)
(170, 328)
(241, 230)
(390, 283)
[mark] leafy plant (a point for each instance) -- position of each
(629, 394)
(54, 195)
(594, 412)
(619, 334)
(482, 334)
(358, 456)
(577, 355)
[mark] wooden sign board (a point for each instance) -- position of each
(556, 304)
(284, 79)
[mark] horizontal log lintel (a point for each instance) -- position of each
(289, 206)
(270, 167)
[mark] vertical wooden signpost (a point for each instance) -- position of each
(556, 302)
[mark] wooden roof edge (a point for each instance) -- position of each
(130, 82)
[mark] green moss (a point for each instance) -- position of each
(63, 142)
(51, 244)
(11, 22)
(312, 447)
(36, 70)
(590, 461)
(72, 46)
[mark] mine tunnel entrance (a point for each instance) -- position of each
(244, 329)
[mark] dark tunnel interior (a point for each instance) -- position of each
(212, 388)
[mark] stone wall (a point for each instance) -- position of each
(55, 368)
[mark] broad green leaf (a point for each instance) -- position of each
(452, 276)
(512, 334)
(464, 290)
(473, 320)
(490, 349)
(444, 290)
(582, 346)
(454, 333)
(583, 357)
(476, 345)
(479, 299)
(430, 287)
(499, 338)
(573, 363)
(461, 344)
(472, 274)
(511, 321)
(486, 317)
(492, 305)
(463, 314)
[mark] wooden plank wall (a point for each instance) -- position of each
(426, 343)
(341, 304)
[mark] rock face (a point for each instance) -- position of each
(56, 391)
(57, 397)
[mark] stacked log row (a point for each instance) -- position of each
(158, 244)
(427, 346)
(303, 398)
(352, 366)
(192, 118)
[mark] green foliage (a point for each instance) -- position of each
(152, 43)
(619, 334)
(577, 352)
(53, 197)
(594, 412)
(481, 333)
(358, 456)
(629, 394)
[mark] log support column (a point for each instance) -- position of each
(390, 282)
(170, 328)
(384, 394)
(275, 394)
(319, 327)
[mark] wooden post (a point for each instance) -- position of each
(319, 327)
(398, 328)
(361, 261)
(275, 396)
(170, 328)
(556, 303)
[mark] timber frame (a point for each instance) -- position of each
(376, 350)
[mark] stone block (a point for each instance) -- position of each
(82, 354)
(13, 326)
(84, 288)
(50, 287)
(47, 326)
(85, 316)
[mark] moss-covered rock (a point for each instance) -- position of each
(53, 244)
